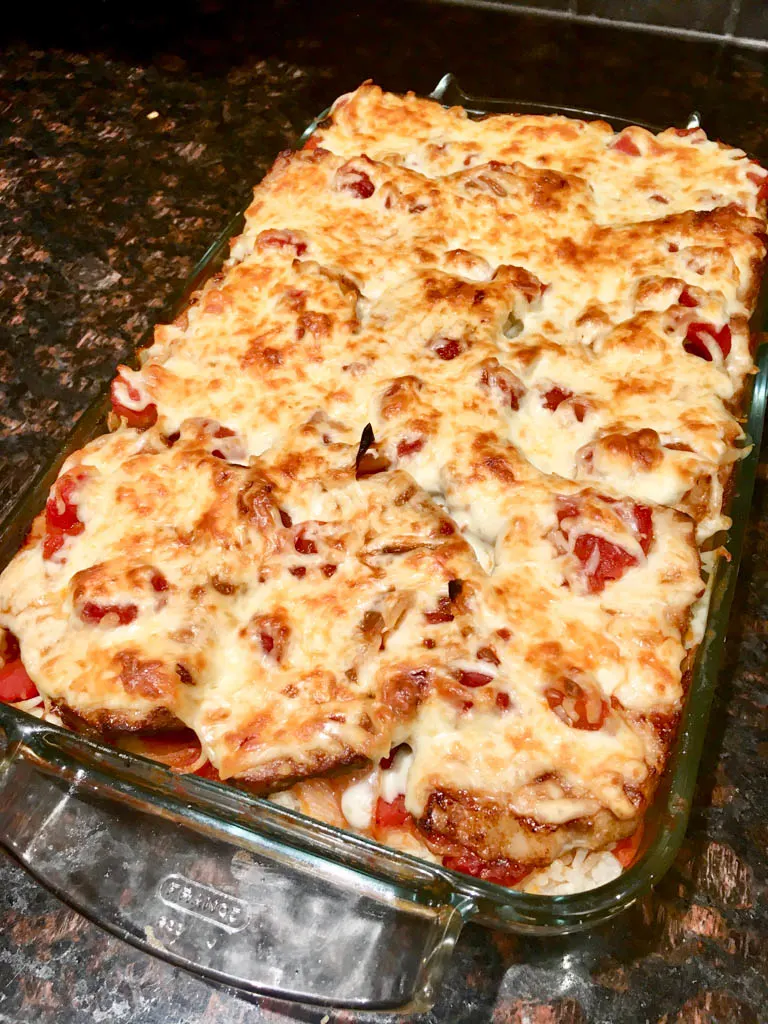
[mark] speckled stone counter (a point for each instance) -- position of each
(126, 147)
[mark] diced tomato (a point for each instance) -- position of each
(448, 348)
(502, 871)
(474, 679)
(92, 612)
(61, 519)
(60, 509)
(555, 397)
(567, 508)
(277, 238)
(644, 523)
(625, 851)
(392, 815)
(15, 684)
(612, 560)
(352, 179)
(303, 544)
(686, 299)
(53, 541)
(443, 612)
(207, 771)
(580, 707)
(624, 144)
(496, 376)
(158, 582)
(141, 418)
(405, 448)
(696, 345)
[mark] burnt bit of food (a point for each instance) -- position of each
(367, 438)
(184, 674)
(368, 463)
(454, 589)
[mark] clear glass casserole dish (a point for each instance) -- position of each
(261, 898)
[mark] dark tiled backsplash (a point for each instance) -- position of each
(743, 19)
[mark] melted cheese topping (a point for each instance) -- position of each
(535, 330)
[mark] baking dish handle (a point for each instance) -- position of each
(234, 905)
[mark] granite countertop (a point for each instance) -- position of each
(129, 144)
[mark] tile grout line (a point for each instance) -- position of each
(685, 34)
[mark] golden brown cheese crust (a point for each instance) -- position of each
(428, 462)
(636, 175)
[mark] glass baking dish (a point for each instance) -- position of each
(264, 899)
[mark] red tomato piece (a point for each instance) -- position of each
(392, 815)
(353, 180)
(61, 509)
(555, 397)
(410, 447)
(625, 851)
(141, 418)
(644, 524)
(93, 613)
(507, 383)
(304, 545)
(158, 582)
(567, 508)
(61, 519)
(15, 684)
(53, 541)
(502, 871)
(474, 679)
(443, 613)
(686, 299)
(448, 348)
(696, 345)
(612, 560)
(580, 707)
(280, 239)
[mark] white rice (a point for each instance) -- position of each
(574, 872)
